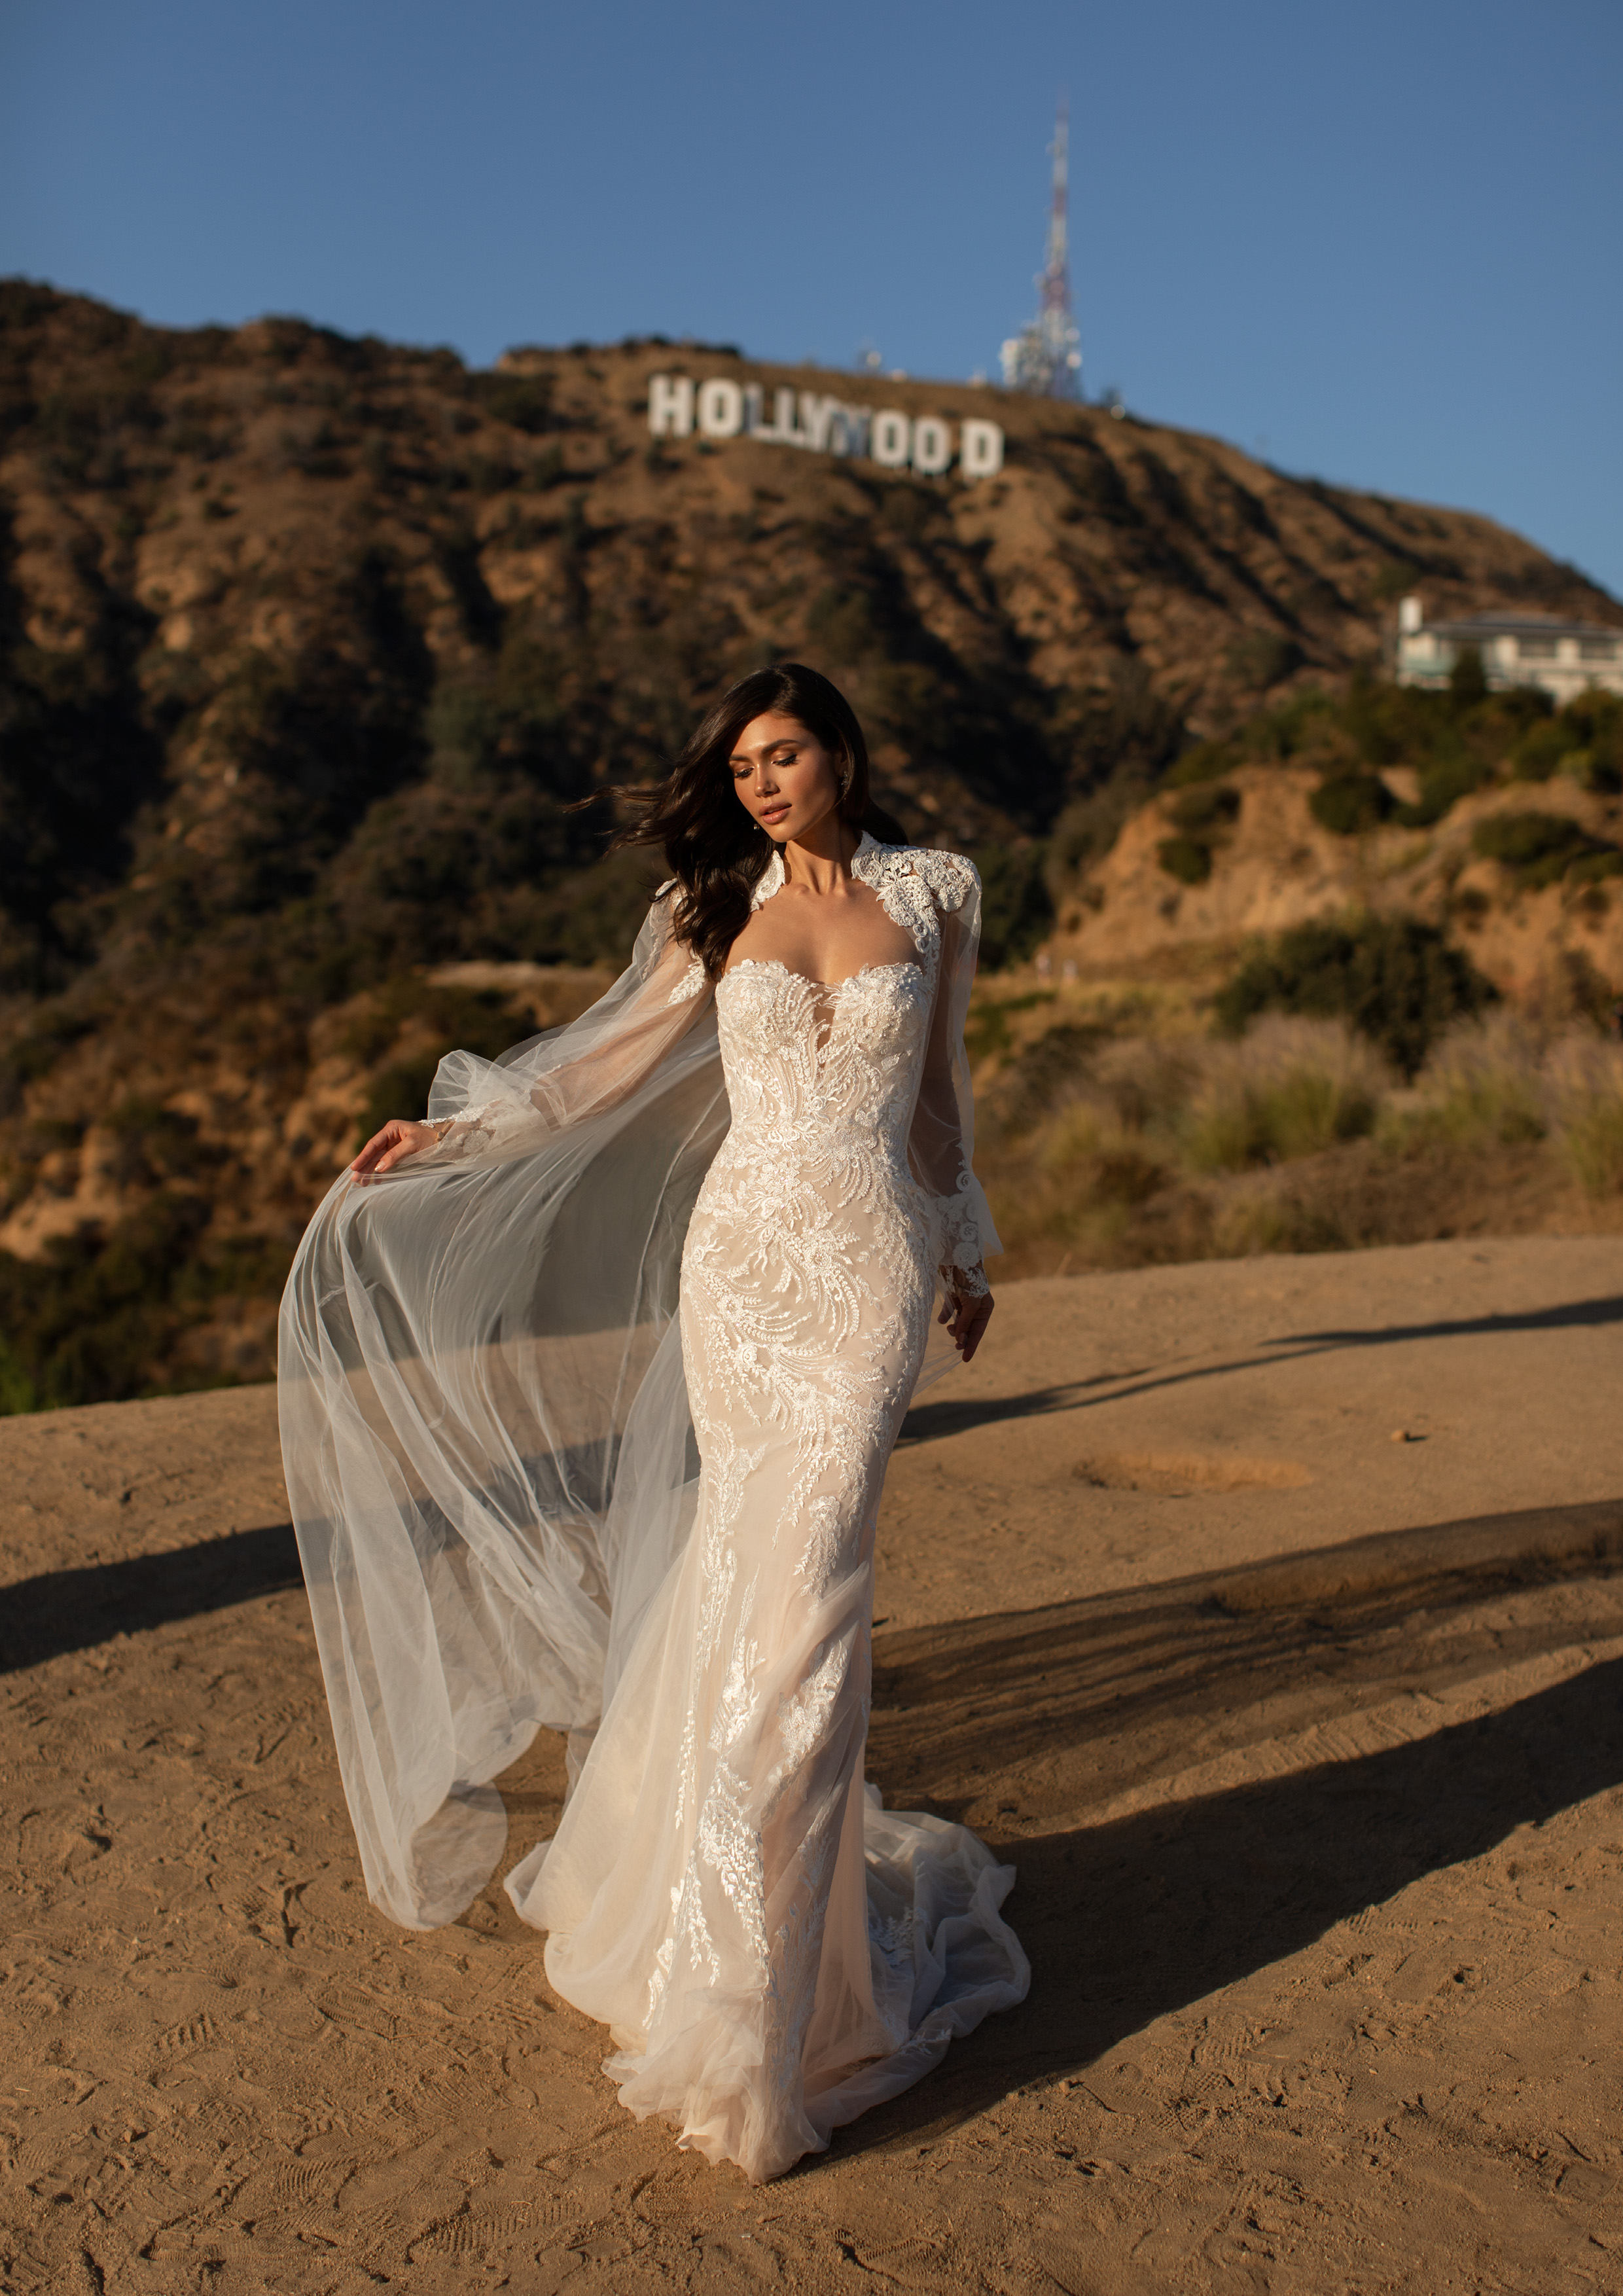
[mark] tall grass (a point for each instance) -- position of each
(1586, 1083)
(1485, 1082)
(1145, 1140)
(1289, 1088)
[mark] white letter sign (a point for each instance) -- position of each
(670, 406)
(889, 439)
(725, 409)
(818, 417)
(981, 450)
(933, 446)
(721, 409)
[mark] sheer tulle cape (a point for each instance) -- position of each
(485, 1425)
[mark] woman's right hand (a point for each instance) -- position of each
(399, 1139)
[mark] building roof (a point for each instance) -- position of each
(1498, 624)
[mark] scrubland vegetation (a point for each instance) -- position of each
(1384, 756)
(1126, 1122)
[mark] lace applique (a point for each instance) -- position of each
(958, 1244)
(895, 1939)
(692, 983)
(665, 1956)
(798, 1950)
(820, 1558)
(914, 886)
(494, 1127)
(721, 1494)
(731, 1847)
(736, 1704)
(803, 1720)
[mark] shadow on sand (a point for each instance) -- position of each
(1142, 1915)
(926, 1422)
(74, 1610)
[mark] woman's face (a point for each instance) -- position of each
(783, 775)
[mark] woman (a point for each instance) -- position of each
(588, 1391)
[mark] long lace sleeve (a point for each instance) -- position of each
(941, 1144)
(513, 1105)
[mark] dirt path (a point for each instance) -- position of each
(1307, 1745)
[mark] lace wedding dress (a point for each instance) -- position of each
(658, 1532)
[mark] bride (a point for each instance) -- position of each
(588, 1386)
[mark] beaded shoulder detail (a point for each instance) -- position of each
(916, 886)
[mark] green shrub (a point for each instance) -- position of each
(1186, 858)
(1264, 658)
(523, 400)
(1202, 815)
(1088, 827)
(90, 1322)
(1442, 783)
(1016, 911)
(1207, 761)
(465, 1020)
(1349, 804)
(1397, 982)
(1539, 849)
(1206, 809)
(156, 1143)
(1584, 740)
(1467, 679)
(1539, 753)
(1596, 718)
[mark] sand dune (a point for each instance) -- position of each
(1267, 1613)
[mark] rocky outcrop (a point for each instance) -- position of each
(1273, 865)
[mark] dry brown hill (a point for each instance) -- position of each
(260, 583)
(1277, 865)
(307, 643)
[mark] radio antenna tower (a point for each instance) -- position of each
(1045, 359)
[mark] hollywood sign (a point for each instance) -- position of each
(721, 409)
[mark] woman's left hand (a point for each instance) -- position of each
(965, 1317)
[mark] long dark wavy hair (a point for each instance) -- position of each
(715, 851)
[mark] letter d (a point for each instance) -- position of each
(979, 449)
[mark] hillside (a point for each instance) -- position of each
(306, 644)
(1495, 817)
(290, 618)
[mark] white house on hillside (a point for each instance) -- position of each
(1516, 650)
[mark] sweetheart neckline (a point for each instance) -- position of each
(769, 963)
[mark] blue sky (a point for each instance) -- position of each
(1382, 243)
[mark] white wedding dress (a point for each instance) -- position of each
(772, 1951)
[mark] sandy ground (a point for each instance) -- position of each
(1307, 1743)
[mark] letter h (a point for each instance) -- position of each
(670, 406)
